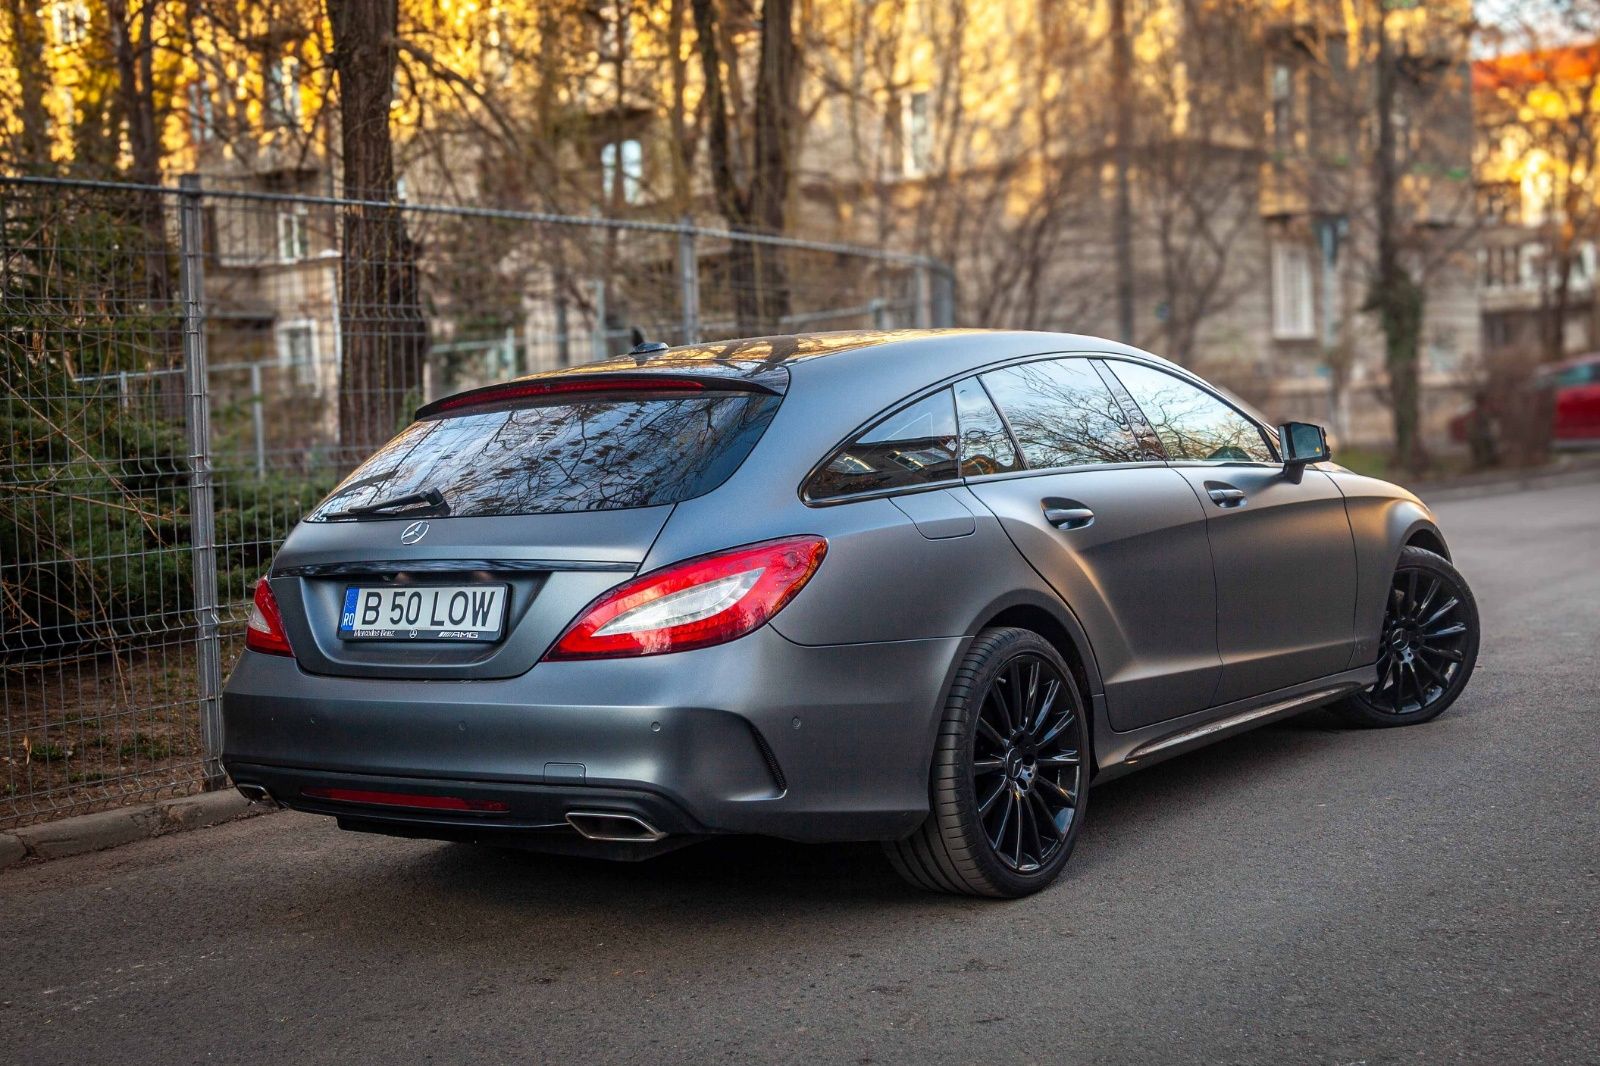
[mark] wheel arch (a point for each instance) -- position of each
(1055, 622)
(1426, 535)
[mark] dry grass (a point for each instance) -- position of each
(99, 731)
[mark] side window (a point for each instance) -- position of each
(986, 447)
(914, 446)
(1192, 423)
(1582, 374)
(1063, 414)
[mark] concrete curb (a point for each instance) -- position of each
(107, 829)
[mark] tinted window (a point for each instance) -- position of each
(1062, 414)
(1192, 423)
(589, 455)
(914, 446)
(986, 447)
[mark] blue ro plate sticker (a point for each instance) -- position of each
(424, 612)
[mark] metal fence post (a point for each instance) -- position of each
(943, 311)
(689, 283)
(602, 343)
(202, 518)
(258, 430)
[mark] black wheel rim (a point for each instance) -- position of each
(1423, 643)
(1026, 766)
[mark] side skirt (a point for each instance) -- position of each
(1121, 753)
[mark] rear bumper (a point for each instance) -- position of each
(757, 736)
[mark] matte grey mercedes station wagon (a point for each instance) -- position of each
(921, 588)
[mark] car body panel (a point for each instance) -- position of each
(1138, 576)
(1285, 570)
(554, 564)
(1577, 400)
(682, 726)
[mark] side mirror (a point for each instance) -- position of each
(1301, 444)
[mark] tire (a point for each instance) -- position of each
(1427, 649)
(1006, 804)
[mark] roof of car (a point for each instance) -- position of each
(928, 354)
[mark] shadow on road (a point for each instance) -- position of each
(746, 881)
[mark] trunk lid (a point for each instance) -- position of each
(551, 565)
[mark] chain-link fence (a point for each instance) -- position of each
(187, 370)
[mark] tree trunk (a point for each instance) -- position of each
(1122, 153)
(31, 147)
(1556, 307)
(756, 273)
(384, 337)
(133, 50)
(775, 121)
(1395, 295)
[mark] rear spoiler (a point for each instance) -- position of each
(512, 391)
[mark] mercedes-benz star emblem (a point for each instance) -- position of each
(413, 533)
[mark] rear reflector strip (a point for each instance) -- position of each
(406, 799)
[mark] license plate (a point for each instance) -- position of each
(423, 612)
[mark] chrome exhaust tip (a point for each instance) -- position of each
(256, 794)
(613, 827)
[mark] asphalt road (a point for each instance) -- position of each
(1301, 894)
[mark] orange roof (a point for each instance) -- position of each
(1573, 63)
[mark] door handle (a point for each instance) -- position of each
(1068, 517)
(1226, 495)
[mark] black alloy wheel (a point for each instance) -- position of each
(1428, 646)
(1027, 764)
(1010, 773)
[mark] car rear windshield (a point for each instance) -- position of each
(599, 454)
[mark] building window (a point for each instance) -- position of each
(202, 113)
(1538, 197)
(283, 90)
(1291, 292)
(1282, 106)
(297, 350)
(71, 21)
(293, 242)
(916, 130)
(624, 161)
(1530, 266)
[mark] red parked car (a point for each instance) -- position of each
(1575, 393)
(1577, 387)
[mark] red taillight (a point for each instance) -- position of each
(693, 604)
(264, 632)
(406, 799)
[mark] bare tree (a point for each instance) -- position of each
(1197, 174)
(751, 186)
(138, 33)
(384, 337)
(29, 145)
(1388, 150)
